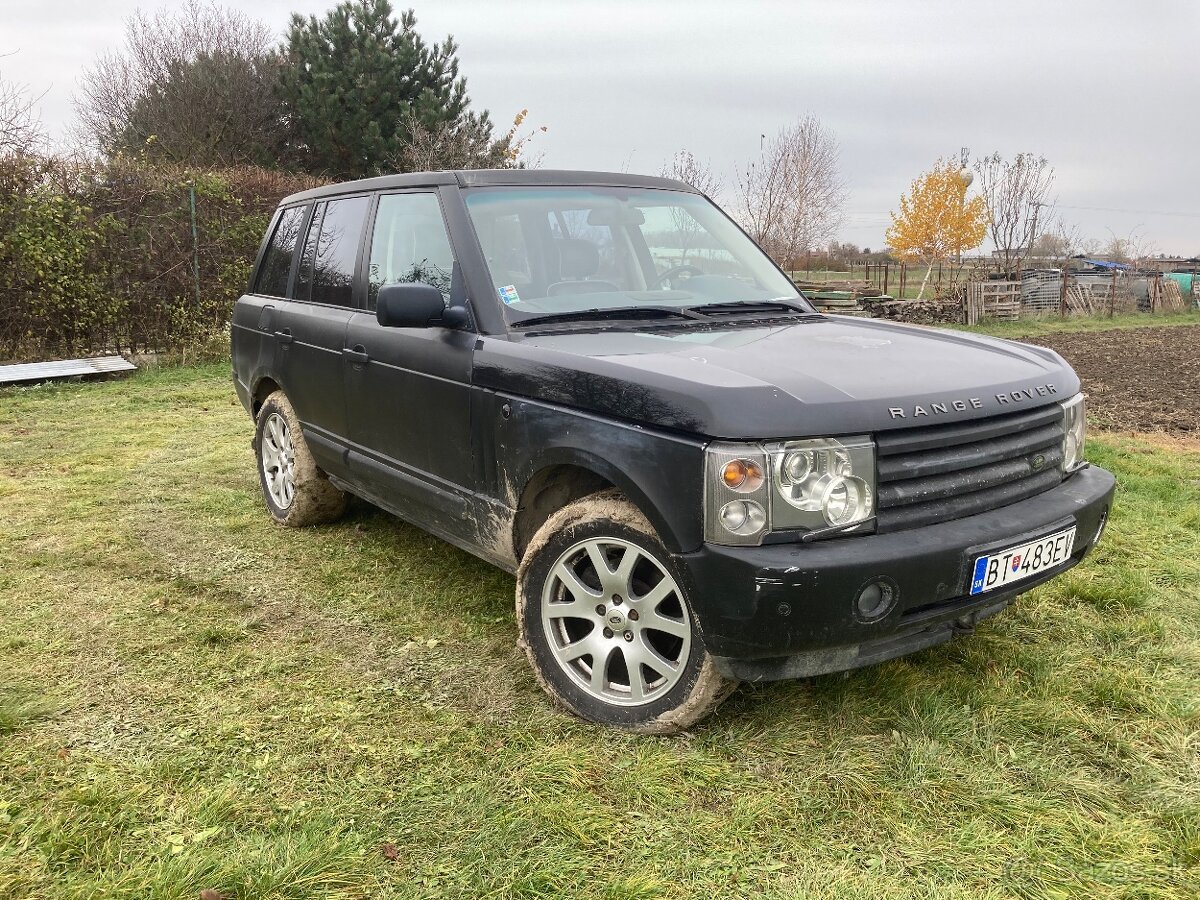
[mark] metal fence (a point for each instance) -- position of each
(1063, 293)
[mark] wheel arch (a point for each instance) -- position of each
(263, 388)
(562, 475)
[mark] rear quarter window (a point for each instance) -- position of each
(276, 266)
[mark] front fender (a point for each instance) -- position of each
(660, 472)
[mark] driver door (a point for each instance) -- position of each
(408, 390)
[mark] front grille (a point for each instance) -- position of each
(940, 472)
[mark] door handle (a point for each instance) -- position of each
(358, 355)
(284, 335)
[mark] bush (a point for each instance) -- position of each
(102, 256)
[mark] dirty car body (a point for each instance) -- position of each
(832, 491)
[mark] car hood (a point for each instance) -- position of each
(784, 378)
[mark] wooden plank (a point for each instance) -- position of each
(64, 368)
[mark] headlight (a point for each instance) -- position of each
(823, 482)
(1074, 432)
(752, 490)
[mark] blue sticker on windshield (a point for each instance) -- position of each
(509, 294)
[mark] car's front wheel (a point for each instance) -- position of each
(296, 491)
(606, 622)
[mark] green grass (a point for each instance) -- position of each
(1034, 327)
(194, 698)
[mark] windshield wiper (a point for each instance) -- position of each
(751, 306)
(612, 313)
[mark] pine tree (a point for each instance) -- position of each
(357, 84)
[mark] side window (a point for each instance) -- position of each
(410, 244)
(304, 275)
(331, 251)
(276, 265)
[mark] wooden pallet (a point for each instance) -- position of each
(993, 300)
(1172, 297)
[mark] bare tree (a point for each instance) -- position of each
(1057, 243)
(463, 145)
(1133, 249)
(790, 199)
(684, 166)
(445, 146)
(20, 129)
(1015, 191)
(195, 85)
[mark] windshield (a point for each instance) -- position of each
(556, 250)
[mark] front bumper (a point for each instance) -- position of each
(789, 610)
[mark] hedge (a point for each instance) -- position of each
(101, 257)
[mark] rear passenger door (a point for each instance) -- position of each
(311, 329)
(408, 389)
(255, 316)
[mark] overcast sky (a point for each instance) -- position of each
(1108, 91)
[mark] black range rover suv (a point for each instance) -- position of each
(600, 383)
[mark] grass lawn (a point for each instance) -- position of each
(1035, 327)
(193, 698)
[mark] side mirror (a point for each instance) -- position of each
(416, 305)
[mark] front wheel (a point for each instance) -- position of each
(296, 491)
(606, 623)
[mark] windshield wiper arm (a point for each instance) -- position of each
(612, 312)
(751, 306)
(811, 536)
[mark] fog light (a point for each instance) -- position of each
(875, 600)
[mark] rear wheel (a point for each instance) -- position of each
(606, 622)
(296, 491)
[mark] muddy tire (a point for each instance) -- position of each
(605, 620)
(296, 491)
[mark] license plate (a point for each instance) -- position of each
(1006, 566)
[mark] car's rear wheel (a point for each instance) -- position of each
(296, 491)
(606, 622)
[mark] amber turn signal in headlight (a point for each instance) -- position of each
(742, 475)
(736, 494)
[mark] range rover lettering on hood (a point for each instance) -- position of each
(939, 408)
(783, 379)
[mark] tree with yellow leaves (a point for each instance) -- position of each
(936, 221)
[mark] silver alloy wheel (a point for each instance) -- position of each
(279, 460)
(616, 621)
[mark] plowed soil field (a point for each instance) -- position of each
(1137, 379)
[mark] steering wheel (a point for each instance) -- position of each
(671, 273)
